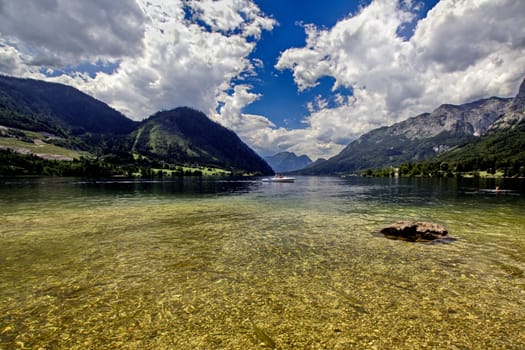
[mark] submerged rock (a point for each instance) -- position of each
(415, 231)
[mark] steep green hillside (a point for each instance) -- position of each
(501, 149)
(55, 121)
(56, 108)
(186, 136)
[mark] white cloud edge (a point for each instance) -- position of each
(393, 79)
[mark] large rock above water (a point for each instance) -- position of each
(415, 231)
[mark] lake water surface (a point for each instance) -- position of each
(208, 263)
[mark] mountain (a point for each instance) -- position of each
(503, 145)
(56, 108)
(502, 149)
(56, 121)
(287, 161)
(184, 135)
(416, 139)
(515, 113)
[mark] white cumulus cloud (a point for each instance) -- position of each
(160, 54)
(168, 53)
(56, 33)
(461, 51)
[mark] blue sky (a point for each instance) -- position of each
(302, 76)
(280, 100)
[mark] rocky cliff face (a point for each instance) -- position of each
(515, 113)
(518, 102)
(472, 118)
(419, 138)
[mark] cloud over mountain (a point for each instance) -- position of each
(167, 53)
(461, 51)
(388, 60)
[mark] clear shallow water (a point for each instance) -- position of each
(241, 264)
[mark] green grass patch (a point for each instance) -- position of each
(39, 148)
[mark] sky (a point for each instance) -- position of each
(303, 76)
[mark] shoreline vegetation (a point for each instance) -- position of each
(32, 153)
(13, 163)
(29, 153)
(444, 169)
(16, 163)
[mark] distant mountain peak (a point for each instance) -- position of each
(283, 162)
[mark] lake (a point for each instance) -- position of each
(226, 263)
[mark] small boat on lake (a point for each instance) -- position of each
(279, 178)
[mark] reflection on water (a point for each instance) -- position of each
(241, 264)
